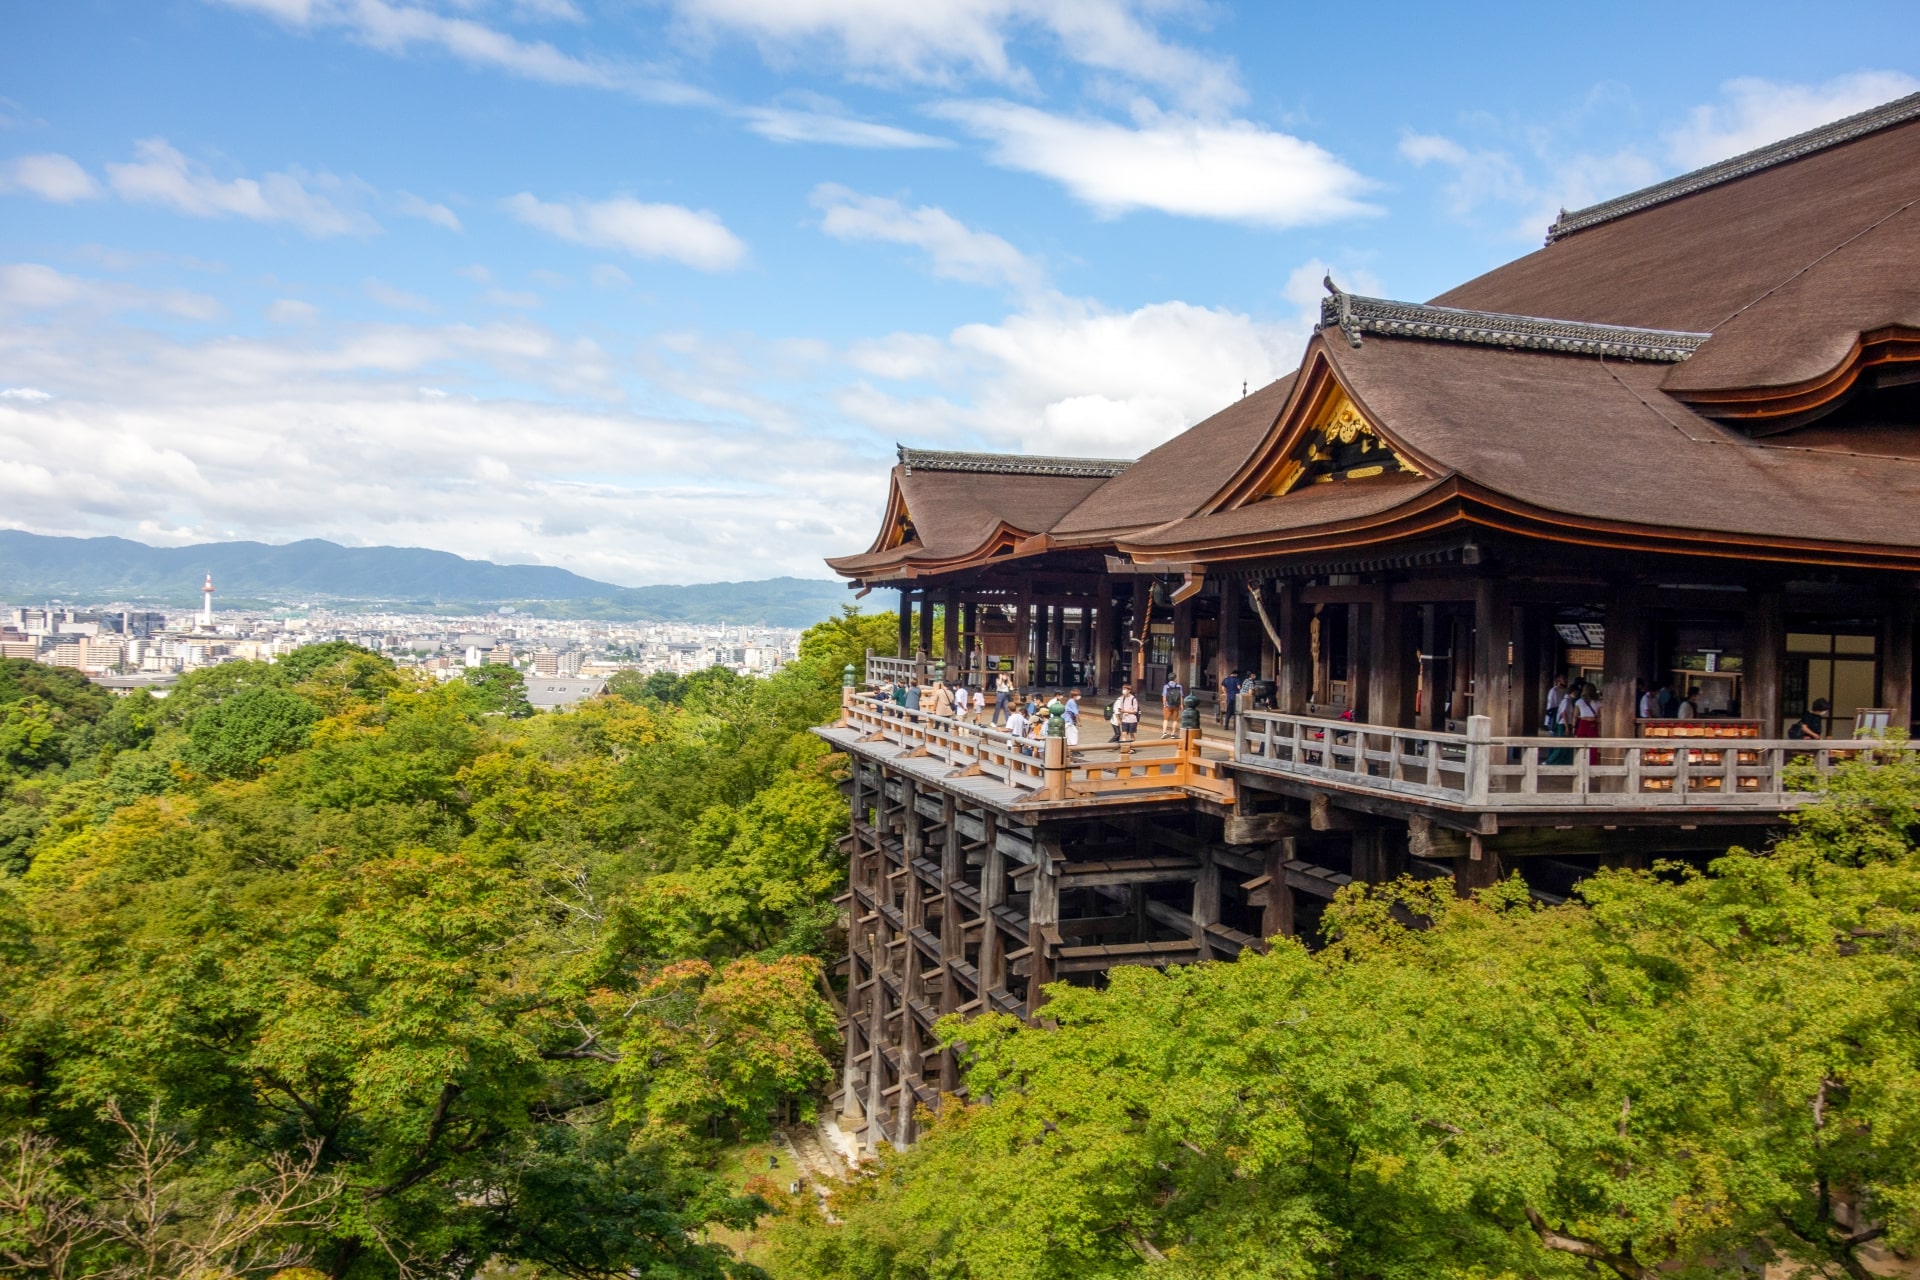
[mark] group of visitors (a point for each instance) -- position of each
(1573, 711)
(1023, 715)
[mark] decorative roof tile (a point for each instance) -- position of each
(1010, 464)
(1356, 315)
(1899, 111)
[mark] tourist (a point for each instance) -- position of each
(1172, 693)
(1649, 707)
(1073, 717)
(900, 695)
(1002, 697)
(1669, 700)
(1689, 707)
(1813, 722)
(1017, 723)
(942, 699)
(1556, 698)
(1127, 707)
(1586, 717)
(1230, 697)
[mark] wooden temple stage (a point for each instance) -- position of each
(1679, 445)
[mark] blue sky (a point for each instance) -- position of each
(649, 288)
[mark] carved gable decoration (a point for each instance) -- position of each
(1340, 445)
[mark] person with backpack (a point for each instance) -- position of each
(1127, 707)
(1172, 693)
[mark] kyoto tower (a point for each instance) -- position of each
(206, 605)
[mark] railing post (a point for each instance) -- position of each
(1479, 758)
(1056, 769)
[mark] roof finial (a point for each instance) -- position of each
(1327, 280)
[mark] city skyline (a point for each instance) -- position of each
(649, 293)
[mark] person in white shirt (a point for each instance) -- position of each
(1556, 696)
(1017, 722)
(1650, 705)
(1690, 706)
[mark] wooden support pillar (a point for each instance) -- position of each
(993, 893)
(1390, 670)
(926, 623)
(1626, 633)
(969, 639)
(1023, 640)
(1183, 644)
(1364, 859)
(1359, 650)
(1276, 921)
(1492, 644)
(1530, 678)
(1057, 642)
(859, 954)
(1229, 646)
(1482, 871)
(1763, 666)
(1295, 680)
(905, 649)
(1435, 684)
(1896, 659)
(1320, 640)
(1043, 917)
(1206, 898)
(950, 636)
(953, 936)
(1104, 638)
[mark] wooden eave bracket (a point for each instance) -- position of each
(1190, 585)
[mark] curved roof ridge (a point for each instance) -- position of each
(1010, 464)
(1355, 315)
(1872, 120)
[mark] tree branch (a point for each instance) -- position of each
(1623, 1264)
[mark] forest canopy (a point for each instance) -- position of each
(315, 963)
(1681, 1074)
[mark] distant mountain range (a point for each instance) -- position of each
(34, 568)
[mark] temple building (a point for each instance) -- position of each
(1678, 446)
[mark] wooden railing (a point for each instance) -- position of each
(898, 670)
(1046, 766)
(1475, 770)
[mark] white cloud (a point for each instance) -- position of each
(1233, 171)
(162, 175)
(25, 395)
(399, 29)
(955, 250)
(518, 299)
(292, 311)
(782, 124)
(943, 41)
(51, 177)
(399, 299)
(33, 286)
(344, 438)
(1756, 112)
(438, 214)
(1069, 376)
(1536, 168)
(476, 273)
(607, 276)
(693, 237)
